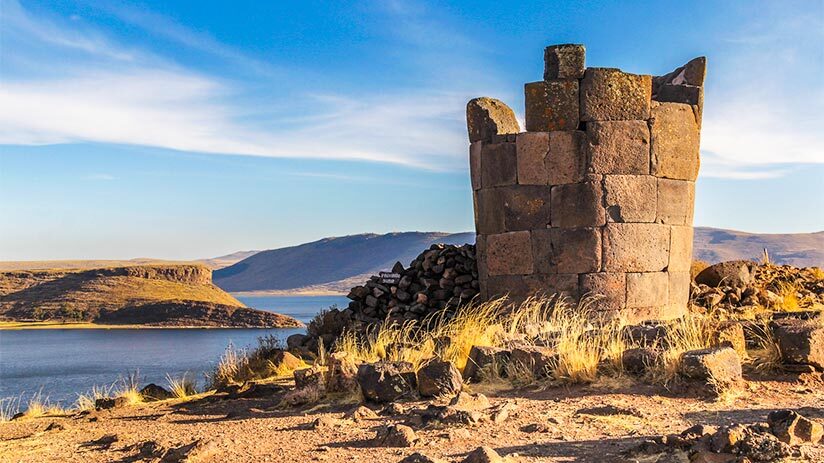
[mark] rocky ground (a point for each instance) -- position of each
(622, 421)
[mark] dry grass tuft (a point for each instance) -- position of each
(182, 386)
(9, 407)
(766, 358)
(690, 332)
(39, 405)
(239, 365)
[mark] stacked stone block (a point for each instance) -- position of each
(596, 197)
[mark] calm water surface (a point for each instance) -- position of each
(62, 363)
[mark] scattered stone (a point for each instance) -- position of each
(610, 410)
(153, 392)
(198, 450)
(342, 373)
(467, 401)
(483, 455)
(55, 426)
(418, 457)
(535, 427)
(325, 422)
(501, 413)
(106, 403)
(396, 435)
(730, 334)
(438, 378)
(537, 360)
(638, 360)
(362, 413)
(313, 376)
(793, 429)
(482, 359)
(295, 341)
(758, 446)
(800, 341)
(386, 381)
(103, 442)
(730, 273)
(304, 395)
(727, 438)
(718, 366)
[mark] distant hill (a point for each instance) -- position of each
(798, 249)
(329, 260)
(164, 295)
(213, 263)
(336, 264)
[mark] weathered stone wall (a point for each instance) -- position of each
(597, 196)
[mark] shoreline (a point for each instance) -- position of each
(287, 292)
(18, 326)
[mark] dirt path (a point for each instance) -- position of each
(257, 430)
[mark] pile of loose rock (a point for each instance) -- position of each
(440, 279)
(781, 437)
(736, 287)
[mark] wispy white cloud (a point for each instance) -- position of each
(155, 102)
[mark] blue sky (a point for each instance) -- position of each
(190, 129)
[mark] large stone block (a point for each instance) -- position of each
(687, 94)
(636, 247)
(566, 250)
(608, 291)
(630, 198)
(498, 164)
(532, 149)
(480, 255)
(475, 149)
(566, 162)
(488, 117)
(509, 253)
(490, 212)
(618, 147)
(565, 61)
(525, 207)
(577, 205)
(649, 289)
(692, 73)
(676, 200)
(679, 294)
(680, 257)
(674, 141)
(551, 105)
(519, 287)
(608, 94)
(800, 341)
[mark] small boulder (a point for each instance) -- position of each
(800, 341)
(647, 335)
(466, 401)
(638, 360)
(362, 413)
(110, 402)
(438, 378)
(418, 457)
(719, 366)
(284, 361)
(793, 429)
(295, 341)
(342, 373)
(312, 376)
(730, 334)
(153, 392)
(386, 381)
(483, 358)
(483, 455)
(538, 360)
(396, 435)
(734, 273)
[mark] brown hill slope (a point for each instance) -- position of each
(337, 264)
(213, 263)
(169, 295)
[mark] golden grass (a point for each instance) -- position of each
(766, 358)
(789, 298)
(39, 405)
(690, 332)
(9, 407)
(182, 386)
(239, 365)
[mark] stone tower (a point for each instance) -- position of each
(596, 197)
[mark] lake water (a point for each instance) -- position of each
(62, 363)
